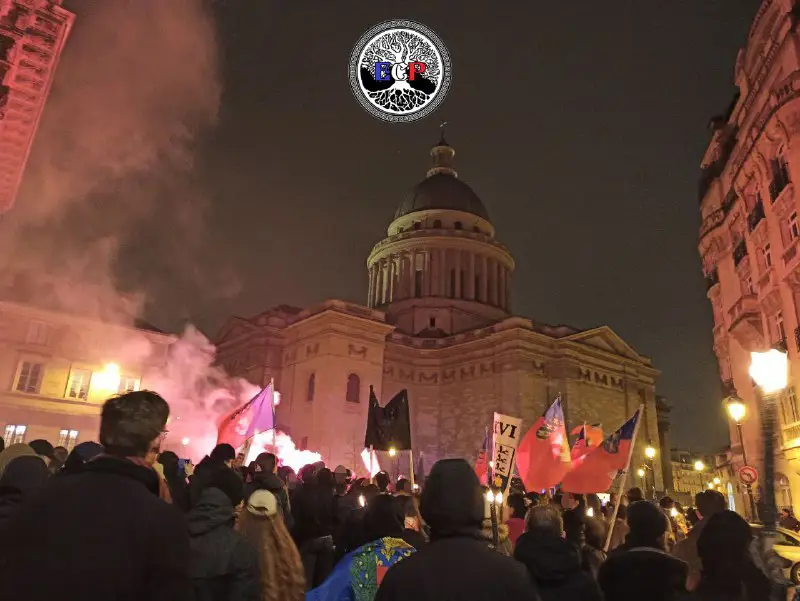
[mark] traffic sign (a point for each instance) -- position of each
(748, 474)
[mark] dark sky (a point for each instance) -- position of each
(580, 124)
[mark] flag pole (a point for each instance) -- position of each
(274, 424)
(411, 467)
(623, 478)
(371, 464)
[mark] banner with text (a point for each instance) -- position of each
(506, 433)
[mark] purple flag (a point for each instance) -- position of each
(263, 412)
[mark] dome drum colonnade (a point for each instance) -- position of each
(441, 244)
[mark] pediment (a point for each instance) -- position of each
(605, 339)
(234, 328)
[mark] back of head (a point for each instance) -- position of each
(222, 453)
(43, 448)
(25, 473)
(634, 494)
(451, 502)
(228, 481)
(516, 502)
(12, 452)
(131, 422)
(709, 502)
(545, 519)
(647, 524)
(404, 486)
(168, 459)
(267, 462)
(325, 479)
(383, 480)
(666, 503)
(382, 519)
(85, 451)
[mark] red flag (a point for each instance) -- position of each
(595, 471)
(240, 424)
(543, 455)
(589, 437)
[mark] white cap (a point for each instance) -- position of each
(262, 502)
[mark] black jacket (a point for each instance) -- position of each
(555, 566)
(22, 477)
(457, 569)
(271, 482)
(223, 564)
(98, 534)
(634, 574)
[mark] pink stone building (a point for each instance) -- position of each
(750, 232)
(32, 36)
(439, 322)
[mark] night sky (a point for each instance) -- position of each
(580, 124)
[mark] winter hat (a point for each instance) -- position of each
(229, 482)
(43, 448)
(262, 502)
(452, 502)
(85, 451)
(12, 452)
(223, 452)
(24, 474)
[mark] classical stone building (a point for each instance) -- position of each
(750, 232)
(32, 36)
(57, 369)
(438, 321)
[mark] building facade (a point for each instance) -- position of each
(56, 370)
(438, 322)
(750, 231)
(32, 36)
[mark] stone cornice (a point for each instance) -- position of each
(455, 239)
(333, 319)
(34, 402)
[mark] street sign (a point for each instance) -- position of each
(748, 474)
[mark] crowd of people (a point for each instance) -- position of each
(120, 520)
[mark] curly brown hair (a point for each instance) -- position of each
(282, 573)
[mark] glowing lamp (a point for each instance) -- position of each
(770, 370)
(673, 512)
(710, 485)
(185, 441)
(498, 498)
(589, 512)
(650, 452)
(716, 481)
(640, 473)
(107, 380)
(736, 409)
(490, 496)
(392, 452)
(362, 500)
(415, 487)
(699, 466)
(491, 464)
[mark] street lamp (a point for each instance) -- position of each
(699, 466)
(650, 453)
(640, 472)
(770, 372)
(737, 411)
(717, 480)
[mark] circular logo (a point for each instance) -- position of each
(400, 71)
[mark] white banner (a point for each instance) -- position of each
(506, 434)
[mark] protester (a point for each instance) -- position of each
(593, 551)
(223, 564)
(383, 481)
(404, 487)
(458, 563)
(342, 476)
(620, 527)
(594, 508)
(265, 477)
(634, 494)
(516, 519)
(21, 477)
(554, 563)
(282, 576)
(124, 542)
(314, 513)
(175, 477)
(12, 452)
(83, 452)
(729, 572)
(221, 457)
(60, 455)
(787, 520)
(413, 531)
(641, 569)
(43, 449)
(708, 503)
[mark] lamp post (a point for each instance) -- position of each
(769, 371)
(650, 453)
(640, 472)
(736, 411)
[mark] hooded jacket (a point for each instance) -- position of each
(458, 564)
(271, 482)
(555, 566)
(125, 543)
(22, 476)
(223, 564)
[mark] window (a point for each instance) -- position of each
(79, 381)
(789, 408)
(432, 322)
(67, 439)
(452, 290)
(416, 225)
(478, 289)
(128, 385)
(418, 283)
(476, 229)
(37, 333)
(437, 223)
(14, 434)
(353, 389)
(30, 377)
(457, 225)
(767, 255)
(462, 283)
(794, 227)
(311, 388)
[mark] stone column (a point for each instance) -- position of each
(426, 273)
(379, 283)
(502, 287)
(485, 279)
(498, 269)
(391, 295)
(442, 275)
(459, 292)
(370, 274)
(471, 277)
(508, 290)
(412, 273)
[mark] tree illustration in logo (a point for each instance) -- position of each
(400, 93)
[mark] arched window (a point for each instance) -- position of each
(312, 384)
(457, 225)
(353, 389)
(437, 223)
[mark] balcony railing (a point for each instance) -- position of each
(713, 220)
(739, 252)
(755, 216)
(712, 279)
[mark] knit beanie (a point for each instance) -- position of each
(229, 482)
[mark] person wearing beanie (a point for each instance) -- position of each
(44, 450)
(220, 458)
(223, 564)
(22, 476)
(83, 452)
(458, 563)
(12, 452)
(641, 568)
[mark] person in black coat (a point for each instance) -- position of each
(22, 477)
(123, 542)
(553, 562)
(221, 457)
(265, 477)
(223, 564)
(457, 564)
(641, 568)
(175, 476)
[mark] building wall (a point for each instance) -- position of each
(749, 237)
(65, 347)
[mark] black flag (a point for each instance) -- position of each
(388, 427)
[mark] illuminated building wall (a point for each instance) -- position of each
(32, 36)
(55, 372)
(750, 230)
